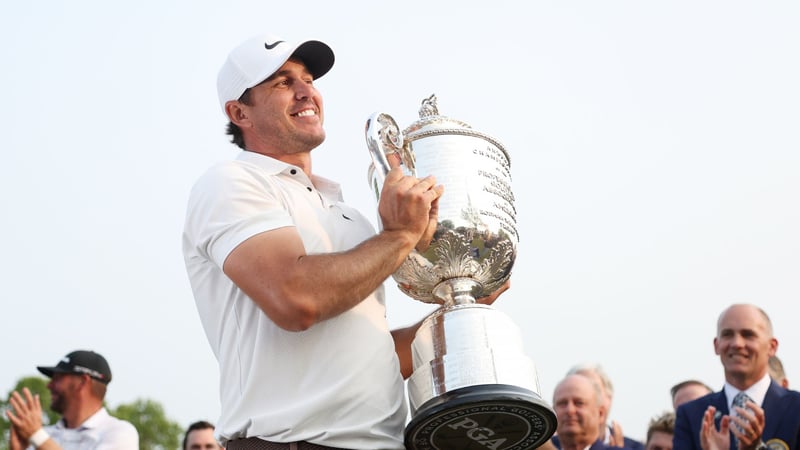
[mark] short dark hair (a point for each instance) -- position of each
(674, 389)
(233, 130)
(199, 425)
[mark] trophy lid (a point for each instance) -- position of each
(431, 123)
(430, 119)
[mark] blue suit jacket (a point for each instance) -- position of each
(781, 418)
(630, 444)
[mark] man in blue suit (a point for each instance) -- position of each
(769, 417)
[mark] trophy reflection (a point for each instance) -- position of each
(472, 386)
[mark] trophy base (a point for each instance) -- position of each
(494, 416)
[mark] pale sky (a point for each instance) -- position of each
(654, 147)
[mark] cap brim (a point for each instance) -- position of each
(317, 57)
(48, 371)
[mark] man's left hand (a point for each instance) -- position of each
(749, 427)
(489, 299)
(25, 413)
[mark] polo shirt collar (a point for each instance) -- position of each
(272, 166)
(92, 422)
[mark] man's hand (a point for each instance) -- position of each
(433, 222)
(25, 415)
(749, 427)
(433, 214)
(409, 205)
(616, 438)
(710, 437)
(15, 442)
(489, 299)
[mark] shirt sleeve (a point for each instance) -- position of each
(682, 437)
(230, 204)
(123, 436)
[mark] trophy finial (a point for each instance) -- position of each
(428, 107)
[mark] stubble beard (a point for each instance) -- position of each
(57, 404)
(302, 143)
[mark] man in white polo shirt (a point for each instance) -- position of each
(77, 389)
(288, 279)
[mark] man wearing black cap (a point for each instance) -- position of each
(288, 279)
(77, 389)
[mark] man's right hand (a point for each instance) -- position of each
(710, 437)
(409, 205)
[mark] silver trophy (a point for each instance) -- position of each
(472, 386)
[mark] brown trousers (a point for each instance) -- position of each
(260, 444)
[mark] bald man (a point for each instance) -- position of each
(767, 417)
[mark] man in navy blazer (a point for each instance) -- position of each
(770, 417)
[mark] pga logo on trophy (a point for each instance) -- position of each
(472, 386)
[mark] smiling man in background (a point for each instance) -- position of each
(752, 411)
(77, 388)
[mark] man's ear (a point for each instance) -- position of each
(86, 379)
(603, 414)
(237, 114)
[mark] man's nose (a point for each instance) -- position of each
(303, 90)
(738, 340)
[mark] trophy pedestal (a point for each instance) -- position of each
(472, 386)
(499, 417)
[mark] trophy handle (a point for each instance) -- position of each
(384, 138)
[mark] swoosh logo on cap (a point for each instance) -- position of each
(271, 46)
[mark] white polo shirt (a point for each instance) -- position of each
(101, 431)
(337, 383)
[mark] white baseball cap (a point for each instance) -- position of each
(257, 58)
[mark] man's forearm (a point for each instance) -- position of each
(339, 281)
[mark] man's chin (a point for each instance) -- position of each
(316, 140)
(570, 432)
(736, 370)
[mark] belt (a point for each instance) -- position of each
(254, 443)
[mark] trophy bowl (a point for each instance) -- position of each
(472, 386)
